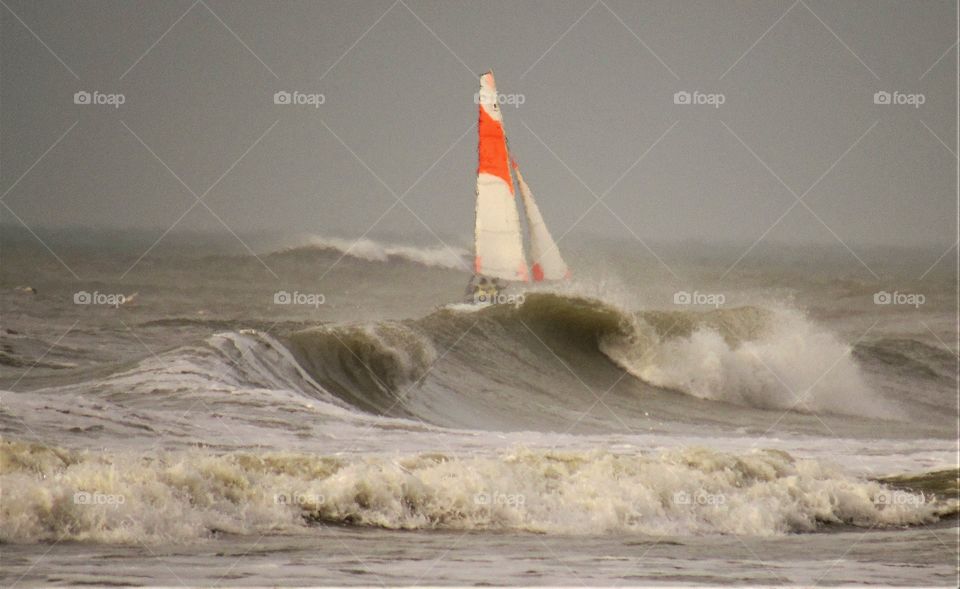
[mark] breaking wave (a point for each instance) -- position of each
(55, 494)
(760, 358)
(768, 359)
(535, 366)
(440, 256)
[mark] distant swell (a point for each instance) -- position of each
(441, 256)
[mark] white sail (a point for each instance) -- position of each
(545, 257)
(498, 237)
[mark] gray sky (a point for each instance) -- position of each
(597, 80)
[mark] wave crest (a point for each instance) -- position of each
(441, 256)
(748, 356)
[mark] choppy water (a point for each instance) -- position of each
(329, 418)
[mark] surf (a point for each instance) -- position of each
(54, 494)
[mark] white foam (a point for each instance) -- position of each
(791, 364)
(192, 494)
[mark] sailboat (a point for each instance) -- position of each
(499, 249)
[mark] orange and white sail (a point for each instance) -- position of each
(498, 236)
(544, 254)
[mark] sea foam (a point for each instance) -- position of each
(53, 494)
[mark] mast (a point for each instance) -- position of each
(498, 242)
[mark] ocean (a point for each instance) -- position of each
(330, 412)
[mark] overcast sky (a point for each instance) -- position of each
(598, 119)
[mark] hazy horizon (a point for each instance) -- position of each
(596, 80)
(71, 233)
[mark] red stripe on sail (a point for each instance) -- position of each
(492, 149)
(537, 272)
(476, 265)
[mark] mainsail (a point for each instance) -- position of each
(547, 263)
(498, 237)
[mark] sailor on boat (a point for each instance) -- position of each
(484, 290)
